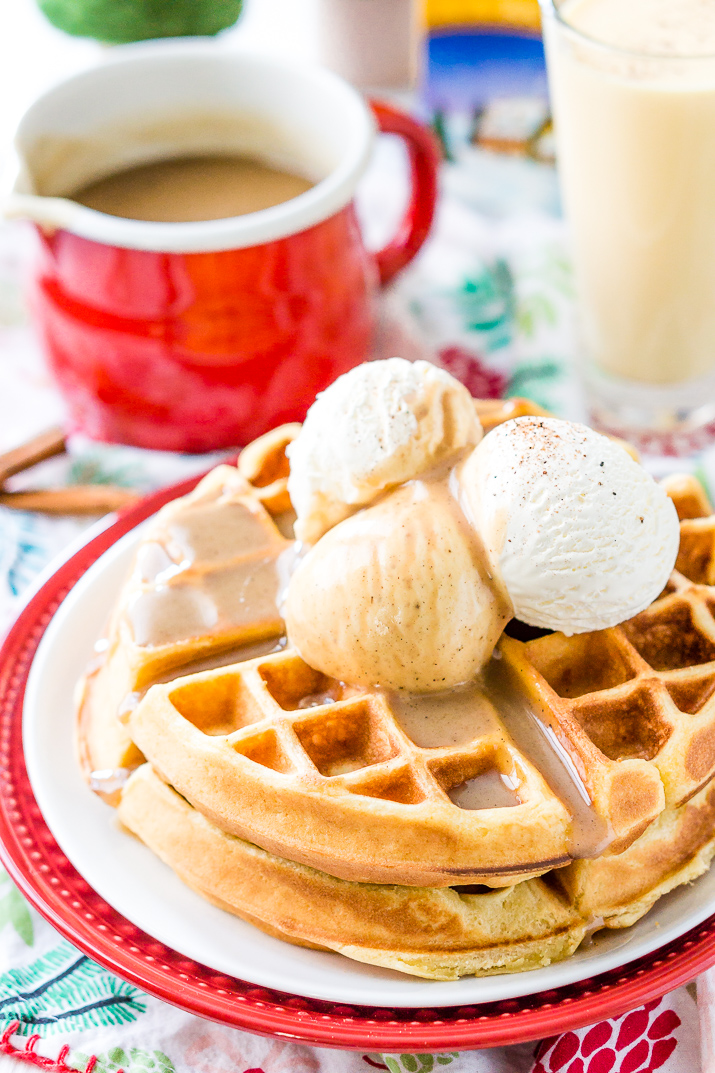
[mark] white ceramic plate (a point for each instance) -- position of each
(128, 876)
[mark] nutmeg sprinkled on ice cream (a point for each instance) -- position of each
(582, 536)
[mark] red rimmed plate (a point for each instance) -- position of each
(46, 876)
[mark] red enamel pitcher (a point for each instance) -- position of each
(198, 336)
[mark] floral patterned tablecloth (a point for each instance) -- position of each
(490, 298)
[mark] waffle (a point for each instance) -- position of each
(433, 933)
(357, 829)
(619, 889)
(323, 774)
(273, 751)
(277, 753)
(493, 412)
(265, 466)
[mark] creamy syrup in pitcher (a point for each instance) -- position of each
(192, 188)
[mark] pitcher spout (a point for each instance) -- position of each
(49, 213)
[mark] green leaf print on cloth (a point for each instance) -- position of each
(535, 379)
(418, 1063)
(14, 910)
(542, 289)
(101, 467)
(130, 1061)
(486, 304)
(65, 991)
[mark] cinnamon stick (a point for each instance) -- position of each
(46, 445)
(75, 499)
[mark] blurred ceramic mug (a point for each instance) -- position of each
(193, 336)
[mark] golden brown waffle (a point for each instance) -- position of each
(239, 745)
(433, 933)
(265, 466)
(493, 412)
(278, 753)
(323, 774)
(290, 778)
(438, 934)
(618, 889)
(641, 693)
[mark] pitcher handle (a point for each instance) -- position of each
(424, 158)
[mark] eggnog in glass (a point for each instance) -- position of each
(633, 91)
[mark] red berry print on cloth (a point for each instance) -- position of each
(662, 1052)
(481, 381)
(636, 1057)
(633, 1026)
(638, 1042)
(664, 1025)
(564, 1050)
(603, 1061)
(596, 1037)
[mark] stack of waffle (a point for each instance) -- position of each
(318, 812)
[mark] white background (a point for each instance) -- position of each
(34, 55)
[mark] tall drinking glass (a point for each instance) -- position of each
(633, 91)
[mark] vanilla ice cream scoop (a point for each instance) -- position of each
(398, 595)
(380, 424)
(582, 536)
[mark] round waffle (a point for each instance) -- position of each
(275, 752)
(434, 933)
(331, 776)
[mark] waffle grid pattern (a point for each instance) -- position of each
(644, 691)
(276, 722)
(297, 720)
